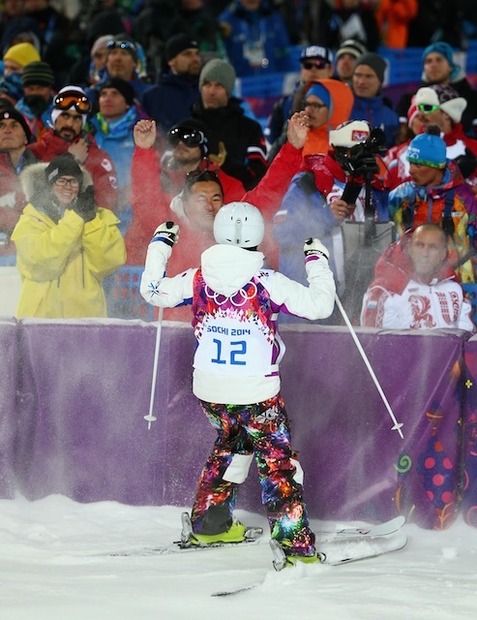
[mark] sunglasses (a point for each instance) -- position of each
(72, 99)
(190, 137)
(128, 46)
(427, 108)
(318, 64)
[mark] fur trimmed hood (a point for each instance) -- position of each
(33, 180)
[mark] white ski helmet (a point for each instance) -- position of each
(350, 133)
(239, 223)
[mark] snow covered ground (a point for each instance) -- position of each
(54, 565)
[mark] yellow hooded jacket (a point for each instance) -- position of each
(62, 264)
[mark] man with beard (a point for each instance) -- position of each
(70, 109)
(37, 102)
(171, 99)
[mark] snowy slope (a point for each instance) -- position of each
(53, 566)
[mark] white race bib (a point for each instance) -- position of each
(228, 346)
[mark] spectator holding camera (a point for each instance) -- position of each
(65, 244)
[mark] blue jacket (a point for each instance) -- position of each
(378, 114)
(304, 213)
(258, 40)
(171, 100)
(117, 139)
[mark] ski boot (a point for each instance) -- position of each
(281, 560)
(236, 534)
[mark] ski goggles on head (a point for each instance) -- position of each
(127, 46)
(190, 137)
(72, 99)
(314, 64)
(427, 108)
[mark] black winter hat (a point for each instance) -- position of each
(7, 111)
(178, 43)
(122, 86)
(63, 165)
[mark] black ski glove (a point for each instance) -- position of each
(84, 205)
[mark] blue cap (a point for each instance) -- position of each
(427, 150)
(318, 90)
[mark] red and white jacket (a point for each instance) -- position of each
(397, 299)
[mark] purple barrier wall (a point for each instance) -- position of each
(86, 387)
(8, 390)
(356, 466)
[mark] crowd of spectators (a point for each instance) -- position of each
(142, 95)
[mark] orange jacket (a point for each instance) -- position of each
(393, 17)
(342, 100)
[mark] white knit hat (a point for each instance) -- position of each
(70, 88)
(444, 98)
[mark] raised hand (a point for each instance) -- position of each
(314, 246)
(297, 129)
(145, 133)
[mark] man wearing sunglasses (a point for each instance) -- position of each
(440, 68)
(70, 111)
(202, 196)
(123, 62)
(188, 150)
(439, 105)
(316, 63)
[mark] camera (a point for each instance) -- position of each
(360, 159)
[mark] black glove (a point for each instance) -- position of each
(467, 163)
(84, 205)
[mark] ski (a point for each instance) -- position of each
(366, 531)
(178, 547)
(334, 554)
(255, 534)
(252, 536)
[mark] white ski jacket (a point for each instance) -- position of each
(236, 304)
(420, 306)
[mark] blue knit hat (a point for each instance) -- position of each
(318, 90)
(427, 150)
(444, 49)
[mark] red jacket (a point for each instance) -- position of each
(151, 208)
(98, 164)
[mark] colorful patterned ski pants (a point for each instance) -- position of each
(260, 430)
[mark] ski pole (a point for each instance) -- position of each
(397, 425)
(149, 417)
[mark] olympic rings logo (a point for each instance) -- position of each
(238, 299)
